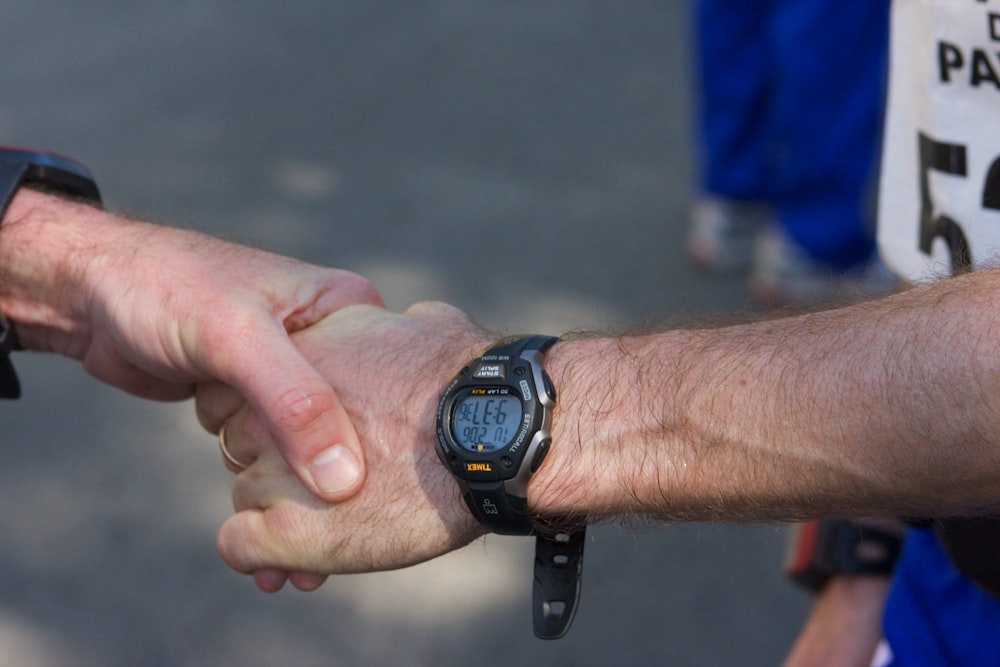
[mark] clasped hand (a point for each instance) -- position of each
(387, 371)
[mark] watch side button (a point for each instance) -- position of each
(543, 449)
(549, 389)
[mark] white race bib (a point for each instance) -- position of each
(939, 199)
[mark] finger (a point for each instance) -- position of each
(270, 580)
(344, 289)
(266, 478)
(234, 464)
(215, 403)
(247, 545)
(300, 410)
(306, 581)
(432, 308)
(236, 542)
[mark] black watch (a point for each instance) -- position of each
(49, 172)
(493, 432)
(821, 549)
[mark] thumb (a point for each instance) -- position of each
(303, 416)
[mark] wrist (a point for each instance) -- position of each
(49, 249)
(582, 474)
(629, 428)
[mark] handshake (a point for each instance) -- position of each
(388, 371)
(327, 406)
(491, 428)
(282, 357)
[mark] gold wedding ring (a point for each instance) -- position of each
(225, 452)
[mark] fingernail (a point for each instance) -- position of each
(335, 469)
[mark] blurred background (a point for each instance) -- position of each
(529, 162)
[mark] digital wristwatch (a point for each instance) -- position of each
(493, 432)
(51, 173)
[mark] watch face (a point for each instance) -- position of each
(486, 420)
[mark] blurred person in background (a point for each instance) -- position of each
(789, 98)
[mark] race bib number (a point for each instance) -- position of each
(939, 198)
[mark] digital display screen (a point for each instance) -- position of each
(486, 423)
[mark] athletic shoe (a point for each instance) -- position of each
(723, 232)
(784, 274)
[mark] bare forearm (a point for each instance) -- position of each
(54, 255)
(845, 625)
(885, 407)
(153, 309)
(42, 265)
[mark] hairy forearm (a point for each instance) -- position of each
(58, 258)
(889, 407)
(48, 248)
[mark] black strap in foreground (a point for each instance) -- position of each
(972, 545)
(11, 176)
(502, 513)
(10, 386)
(558, 579)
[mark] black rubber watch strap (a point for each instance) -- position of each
(819, 550)
(558, 569)
(515, 346)
(499, 511)
(558, 581)
(11, 177)
(10, 386)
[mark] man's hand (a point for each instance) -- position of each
(154, 310)
(388, 370)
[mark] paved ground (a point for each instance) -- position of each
(528, 162)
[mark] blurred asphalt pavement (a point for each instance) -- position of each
(528, 162)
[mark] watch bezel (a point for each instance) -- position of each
(506, 463)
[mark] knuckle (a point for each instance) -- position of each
(302, 409)
(429, 307)
(360, 288)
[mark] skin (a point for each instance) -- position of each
(888, 408)
(155, 310)
(844, 626)
(298, 533)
